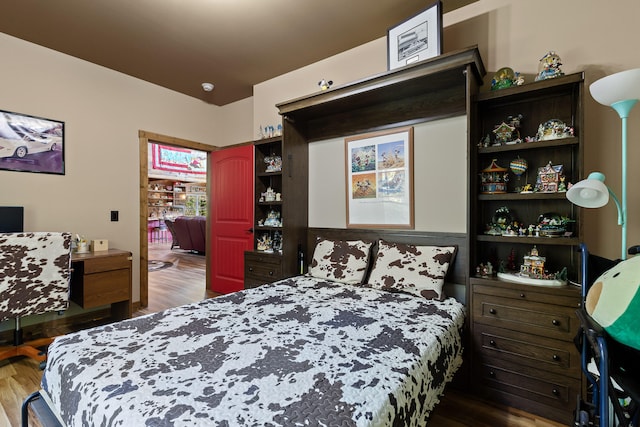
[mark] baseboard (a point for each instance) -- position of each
(60, 326)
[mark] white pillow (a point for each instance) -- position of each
(341, 260)
(417, 270)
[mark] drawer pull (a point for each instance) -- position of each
(492, 343)
(492, 310)
(555, 392)
(492, 374)
(250, 268)
(522, 296)
(556, 357)
(555, 322)
(271, 273)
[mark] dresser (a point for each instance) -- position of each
(523, 350)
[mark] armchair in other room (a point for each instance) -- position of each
(174, 237)
(35, 271)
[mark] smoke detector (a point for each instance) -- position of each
(207, 87)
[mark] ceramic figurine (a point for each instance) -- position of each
(277, 242)
(485, 142)
(508, 132)
(562, 187)
(274, 163)
(325, 84)
(519, 79)
(264, 243)
(494, 179)
(503, 78)
(269, 195)
(273, 219)
(549, 66)
(552, 224)
(549, 178)
(553, 129)
(500, 222)
(503, 133)
(518, 166)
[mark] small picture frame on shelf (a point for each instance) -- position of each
(416, 39)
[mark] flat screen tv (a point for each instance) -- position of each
(11, 219)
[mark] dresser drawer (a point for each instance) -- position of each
(534, 389)
(566, 297)
(546, 320)
(497, 344)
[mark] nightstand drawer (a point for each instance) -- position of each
(547, 320)
(262, 258)
(493, 344)
(261, 268)
(269, 272)
(102, 264)
(105, 288)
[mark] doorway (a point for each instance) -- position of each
(145, 138)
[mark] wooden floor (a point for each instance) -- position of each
(184, 282)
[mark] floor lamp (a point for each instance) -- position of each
(620, 91)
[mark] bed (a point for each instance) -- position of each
(337, 346)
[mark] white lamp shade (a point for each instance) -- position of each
(590, 192)
(617, 87)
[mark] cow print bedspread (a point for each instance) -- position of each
(300, 352)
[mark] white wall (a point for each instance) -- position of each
(439, 180)
(589, 35)
(103, 111)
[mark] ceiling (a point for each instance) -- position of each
(179, 44)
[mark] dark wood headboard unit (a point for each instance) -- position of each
(433, 89)
(459, 272)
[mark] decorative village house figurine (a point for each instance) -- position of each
(549, 178)
(533, 265)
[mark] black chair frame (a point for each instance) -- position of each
(618, 367)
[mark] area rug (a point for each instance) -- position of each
(155, 265)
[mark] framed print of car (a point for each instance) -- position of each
(31, 144)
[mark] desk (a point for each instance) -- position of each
(101, 278)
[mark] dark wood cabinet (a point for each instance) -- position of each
(261, 268)
(523, 354)
(280, 218)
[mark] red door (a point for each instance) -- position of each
(231, 216)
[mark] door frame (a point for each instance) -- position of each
(145, 138)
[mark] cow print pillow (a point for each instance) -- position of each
(417, 270)
(341, 260)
